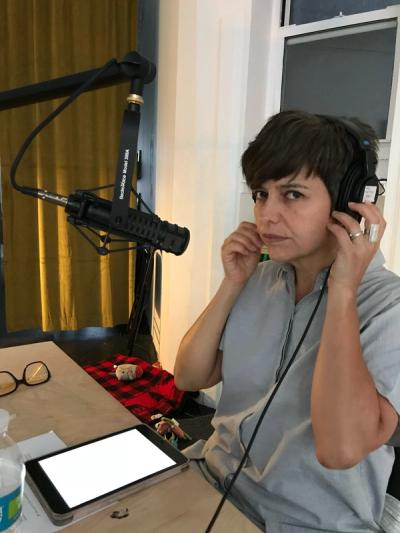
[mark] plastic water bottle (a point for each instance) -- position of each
(12, 475)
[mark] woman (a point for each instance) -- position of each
(320, 460)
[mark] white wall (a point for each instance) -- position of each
(211, 87)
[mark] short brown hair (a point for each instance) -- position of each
(294, 140)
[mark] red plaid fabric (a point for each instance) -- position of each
(153, 393)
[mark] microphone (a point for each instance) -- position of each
(88, 210)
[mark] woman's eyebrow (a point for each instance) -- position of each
(293, 185)
(288, 185)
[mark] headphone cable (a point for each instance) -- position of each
(277, 385)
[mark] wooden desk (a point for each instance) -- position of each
(77, 409)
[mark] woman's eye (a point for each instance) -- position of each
(293, 195)
(259, 196)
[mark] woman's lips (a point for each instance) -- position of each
(271, 238)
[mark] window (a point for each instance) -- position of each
(345, 71)
(304, 11)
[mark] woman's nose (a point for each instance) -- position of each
(270, 210)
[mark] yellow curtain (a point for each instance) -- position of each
(54, 280)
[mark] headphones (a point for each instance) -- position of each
(359, 183)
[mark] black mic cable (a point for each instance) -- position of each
(30, 190)
(277, 385)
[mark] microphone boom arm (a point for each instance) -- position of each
(86, 209)
(133, 65)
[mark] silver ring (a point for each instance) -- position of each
(355, 235)
(372, 233)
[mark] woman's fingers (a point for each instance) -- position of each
(374, 222)
(369, 211)
(247, 235)
(239, 246)
(249, 230)
(241, 252)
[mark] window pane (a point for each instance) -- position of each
(303, 11)
(342, 72)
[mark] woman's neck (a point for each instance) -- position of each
(304, 285)
(306, 274)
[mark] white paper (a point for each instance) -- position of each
(34, 519)
(40, 445)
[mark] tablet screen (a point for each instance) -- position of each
(97, 468)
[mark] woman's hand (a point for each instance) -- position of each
(354, 254)
(241, 253)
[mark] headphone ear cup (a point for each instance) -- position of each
(348, 190)
(355, 188)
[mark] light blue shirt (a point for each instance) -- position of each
(283, 487)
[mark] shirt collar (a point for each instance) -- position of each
(377, 261)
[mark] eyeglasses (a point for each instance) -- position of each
(35, 373)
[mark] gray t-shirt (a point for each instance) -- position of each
(282, 486)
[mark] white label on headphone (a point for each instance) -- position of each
(369, 193)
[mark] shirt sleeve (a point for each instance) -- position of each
(380, 342)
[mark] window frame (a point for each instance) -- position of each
(346, 21)
(287, 4)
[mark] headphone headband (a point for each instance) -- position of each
(363, 144)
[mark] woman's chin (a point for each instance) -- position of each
(280, 255)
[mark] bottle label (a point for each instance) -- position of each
(10, 508)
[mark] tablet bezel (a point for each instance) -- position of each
(57, 506)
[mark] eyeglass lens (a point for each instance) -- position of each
(36, 373)
(7, 383)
